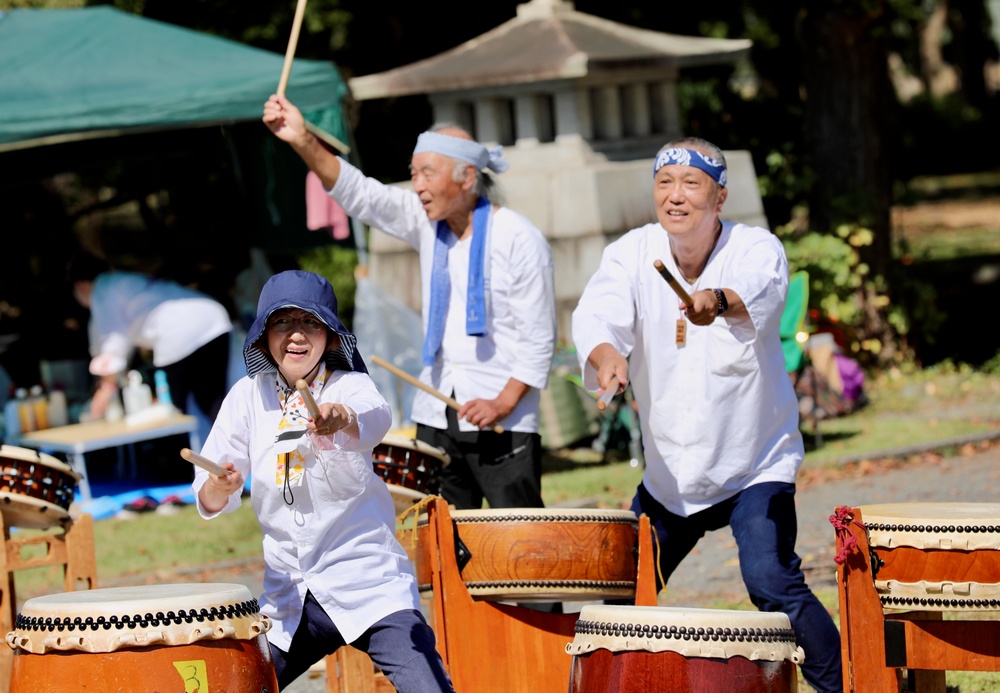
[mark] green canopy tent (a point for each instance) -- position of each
(97, 71)
(137, 110)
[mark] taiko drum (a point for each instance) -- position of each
(411, 468)
(935, 556)
(538, 554)
(632, 649)
(36, 489)
(184, 638)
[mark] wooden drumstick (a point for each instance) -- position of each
(609, 393)
(293, 39)
(674, 284)
(399, 372)
(307, 397)
(203, 462)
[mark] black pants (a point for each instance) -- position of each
(205, 374)
(504, 468)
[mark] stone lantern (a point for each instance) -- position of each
(581, 105)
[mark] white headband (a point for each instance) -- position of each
(462, 149)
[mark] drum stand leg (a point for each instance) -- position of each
(73, 549)
(876, 646)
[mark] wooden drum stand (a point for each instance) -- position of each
(73, 549)
(918, 560)
(498, 646)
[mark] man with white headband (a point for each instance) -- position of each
(488, 303)
(720, 422)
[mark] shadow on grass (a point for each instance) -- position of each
(810, 438)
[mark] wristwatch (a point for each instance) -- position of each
(723, 304)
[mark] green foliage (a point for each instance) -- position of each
(337, 264)
(992, 366)
(836, 272)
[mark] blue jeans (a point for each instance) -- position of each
(401, 645)
(763, 522)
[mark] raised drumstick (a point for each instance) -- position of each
(399, 372)
(203, 462)
(674, 284)
(303, 387)
(609, 393)
(293, 40)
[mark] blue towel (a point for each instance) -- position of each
(475, 315)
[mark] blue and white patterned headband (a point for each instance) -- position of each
(689, 157)
(463, 150)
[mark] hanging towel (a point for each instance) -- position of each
(322, 211)
(478, 290)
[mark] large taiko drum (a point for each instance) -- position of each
(184, 638)
(538, 554)
(411, 468)
(935, 556)
(636, 649)
(36, 489)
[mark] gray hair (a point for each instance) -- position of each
(483, 185)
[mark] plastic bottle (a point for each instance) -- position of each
(12, 418)
(115, 410)
(136, 394)
(40, 404)
(162, 388)
(25, 412)
(58, 409)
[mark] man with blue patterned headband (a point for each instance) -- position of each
(720, 422)
(488, 308)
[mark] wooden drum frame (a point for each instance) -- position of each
(190, 637)
(36, 489)
(635, 649)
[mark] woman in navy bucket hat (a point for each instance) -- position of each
(334, 572)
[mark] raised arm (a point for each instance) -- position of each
(286, 122)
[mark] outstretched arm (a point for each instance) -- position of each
(286, 122)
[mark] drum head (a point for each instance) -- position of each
(397, 441)
(714, 633)
(104, 620)
(31, 513)
(404, 498)
(954, 526)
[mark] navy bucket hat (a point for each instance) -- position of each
(307, 291)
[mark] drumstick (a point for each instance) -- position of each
(203, 462)
(399, 372)
(293, 39)
(307, 397)
(609, 393)
(674, 284)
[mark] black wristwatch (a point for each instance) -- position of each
(723, 304)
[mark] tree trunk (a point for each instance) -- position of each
(847, 85)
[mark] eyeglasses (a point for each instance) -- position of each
(285, 323)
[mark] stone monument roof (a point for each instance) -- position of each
(547, 40)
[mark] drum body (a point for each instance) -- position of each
(935, 556)
(183, 638)
(36, 489)
(410, 467)
(633, 649)
(539, 554)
